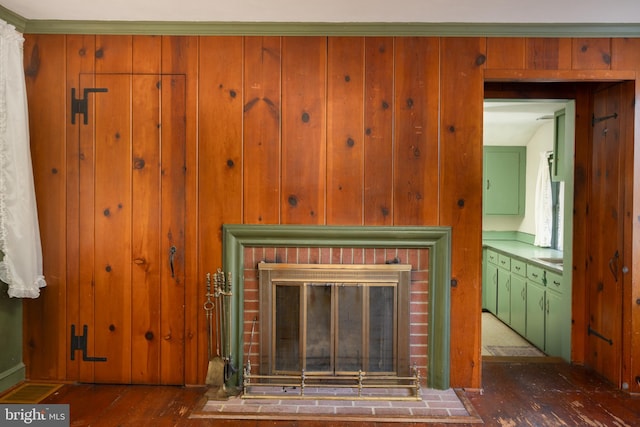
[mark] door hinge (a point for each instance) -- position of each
(595, 119)
(81, 106)
(598, 334)
(79, 342)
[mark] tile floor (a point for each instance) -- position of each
(497, 334)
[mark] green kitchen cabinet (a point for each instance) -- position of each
(504, 180)
(518, 296)
(536, 305)
(490, 283)
(553, 337)
(504, 289)
(557, 165)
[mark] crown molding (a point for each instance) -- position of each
(335, 29)
(466, 29)
(13, 18)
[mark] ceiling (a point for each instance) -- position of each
(514, 122)
(428, 11)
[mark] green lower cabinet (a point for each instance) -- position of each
(553, 314)
(490, 282)
(491, 289)
(504, 296)
(518, 304)
(536, 307)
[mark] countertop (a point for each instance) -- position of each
(526, 252)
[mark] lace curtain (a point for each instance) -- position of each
(543, 214)
(21, 252)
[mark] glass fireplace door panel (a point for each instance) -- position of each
(349, 342)
(382, 327)
(287, 328)
(318, 348)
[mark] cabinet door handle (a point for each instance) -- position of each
(488, 184)
(541, 303)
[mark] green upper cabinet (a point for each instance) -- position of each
(504, 180)
(557, 168)
(564, 131)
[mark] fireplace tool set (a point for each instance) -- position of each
(220, 367)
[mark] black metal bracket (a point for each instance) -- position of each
(79, 342)
(595, 119)
(599, 335)
(81, 106)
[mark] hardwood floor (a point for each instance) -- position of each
(515, 394)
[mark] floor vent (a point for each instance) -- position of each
(30, 393)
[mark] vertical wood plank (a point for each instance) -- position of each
(220, 148)
(80, 203)
(506, 53)
(461, 199)
(172, 230)
(111, 203)
(180, 56)
(548, 53)
(591, 54)
(146, 53)
(582, 168)
(626, 56)
(378, 121)
(114, 54)
(45, 330)
(416, 131)
(345, 148)
(605, 234)
(146, 231)
(262, 130)
(304, 154)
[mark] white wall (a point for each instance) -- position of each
(541, 141)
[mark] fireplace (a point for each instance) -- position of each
(334, 319)
(405, 271)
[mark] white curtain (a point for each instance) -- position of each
(21, 264)
(543, 213)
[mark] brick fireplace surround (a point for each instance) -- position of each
(427, 249)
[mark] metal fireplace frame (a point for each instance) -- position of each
(336, 276)
(236, 237)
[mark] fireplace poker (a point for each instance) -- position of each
(253, 329)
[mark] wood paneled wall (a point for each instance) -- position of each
(302, 130)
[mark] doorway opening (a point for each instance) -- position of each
(527, 230)
(579, 294)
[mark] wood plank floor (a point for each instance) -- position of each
(515, 393)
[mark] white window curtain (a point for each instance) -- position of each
(543, 213)
(21, 252)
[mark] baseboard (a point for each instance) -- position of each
(12, 376)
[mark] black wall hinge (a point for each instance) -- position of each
(595, 119)
(81, 106)
(79, 342)
(599, 335)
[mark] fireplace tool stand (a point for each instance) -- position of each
(220, 367)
